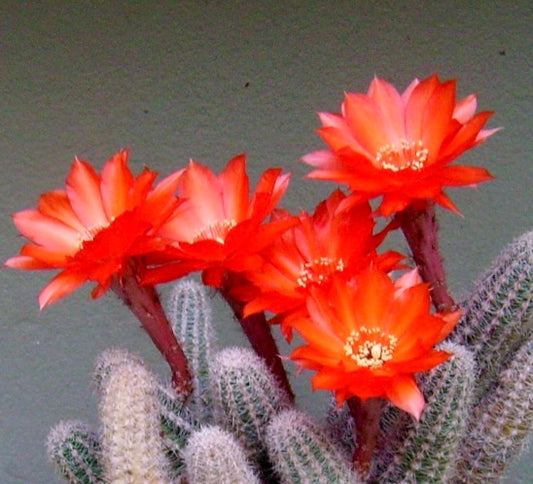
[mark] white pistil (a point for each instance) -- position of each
(410, 155)
(318, 271)
(370, 348)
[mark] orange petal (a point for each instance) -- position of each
(235, 189)
(366, 121)
(403, 392)
(116, 182)
(392, 107)
(61, 285)
(83, 190)
(56, 204)
(47, 231)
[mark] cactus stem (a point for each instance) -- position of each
(144, 303)
(419, 226)
(366, 415)
(257, 330)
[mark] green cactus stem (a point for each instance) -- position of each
(246, 396)
(75, 451)
(190, 317)
(302, 452)
(499, 314)
(500, 424)
(213, 456)
(425, 451)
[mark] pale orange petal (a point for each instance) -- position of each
(47, 231)
(116, 182)
(83, 190)
(235, 189)
(405, 394)
(60, 286)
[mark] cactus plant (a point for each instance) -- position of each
(213, 456)
(474, 422)
(190, 316)
(425, 451)
(302, 452)
(75, 451)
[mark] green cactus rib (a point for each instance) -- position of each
(500, 424)
(302, 452)
(190, 317)
(246, 397)
(213, 456)
(75, 451)
(425, 451)
(499, 314)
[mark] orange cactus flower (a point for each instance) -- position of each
(369, 338)
(92, 228)
(328, 242)
(219, 228)
(400, 146)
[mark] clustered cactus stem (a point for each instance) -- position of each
(144, 302)
(419, 226)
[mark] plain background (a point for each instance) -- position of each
(209, 80)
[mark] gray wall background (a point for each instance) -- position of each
(208, 80)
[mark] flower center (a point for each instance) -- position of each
(370, 348)
(215, 231)
(318, 271)
(90, 233)
(401, 156)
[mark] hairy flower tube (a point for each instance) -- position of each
(95, 226)
(400, 146)
(329, 241)
(219, 228)
(370, 337)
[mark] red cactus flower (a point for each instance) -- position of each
(90, 230)
(219, 228)
(400, 146)
(329, 241)
(369, 338)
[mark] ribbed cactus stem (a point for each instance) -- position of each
(246, 396)
(302, 452)
(74, 450)
(213, 456)
(132, 446)
(499, 425)
(426, 451)
(499, 314)
(190, 317)
(177, 424)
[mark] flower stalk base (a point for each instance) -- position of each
(144, 303)
(419, 226)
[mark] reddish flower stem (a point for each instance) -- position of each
(144, 303)
(366, 415)
(257, 330)
(419, 226)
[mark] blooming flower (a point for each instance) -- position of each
(219, 228)
(367, 339)
(307, 255)
(90, 230)
(400, 146)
